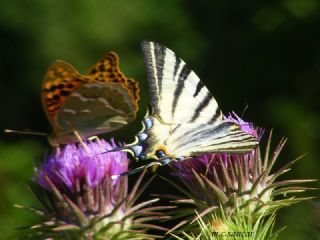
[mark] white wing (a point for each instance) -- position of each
(192, 140)
(177, 94)
(190, 121)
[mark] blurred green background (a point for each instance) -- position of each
(264, 54)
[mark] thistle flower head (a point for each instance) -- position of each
(247, 127)
(227, 179)
(74, 164)
(236, 182)
(80, 200)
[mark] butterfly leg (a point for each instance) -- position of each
(81, 141)
(57, 150)
(93, 138)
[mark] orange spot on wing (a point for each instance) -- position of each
(107, 70)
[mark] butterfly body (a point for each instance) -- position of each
(184, 119)
(102, 101)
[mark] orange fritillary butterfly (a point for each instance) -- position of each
(86, 105)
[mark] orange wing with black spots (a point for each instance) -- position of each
(108, 70)
(60, 81)
(134, 92)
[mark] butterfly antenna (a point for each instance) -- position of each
(244, 110)
(117, 149)
(136, 170)
(25, 132)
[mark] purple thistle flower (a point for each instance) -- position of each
(74, 163)
(235, 182)
(221, 170)
(210, 164)
(81, 200)
(244, 126)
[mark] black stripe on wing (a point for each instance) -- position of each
(152, 72)
(217, 116)
(204, 103)
(160, 54)
(176, 67)
(200, 85)
(225, 134)
(180, 85)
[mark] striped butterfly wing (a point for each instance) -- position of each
(177, 94)
(226, 137)
(187, 120)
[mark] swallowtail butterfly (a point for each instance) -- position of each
(184, 119)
